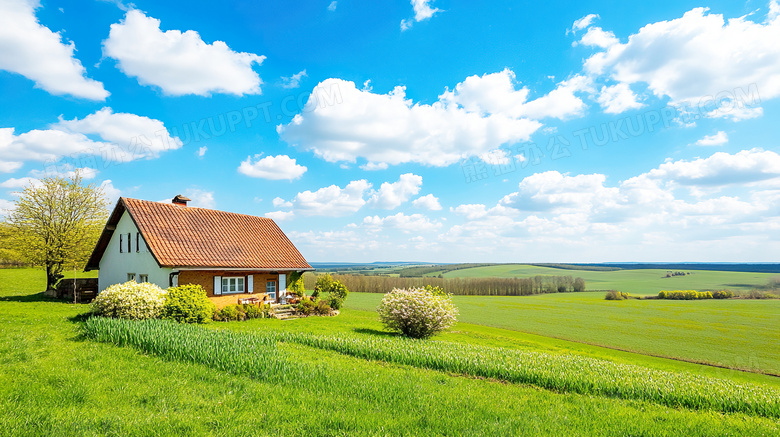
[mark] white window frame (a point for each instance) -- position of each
(271, 291)
(131, 277)
(234, 281)
(143, 278)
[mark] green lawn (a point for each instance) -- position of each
(52, 382)
(639, 281)
(737, 333)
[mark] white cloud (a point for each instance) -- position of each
(699, 60)
(422, 11)
(278, 202)
(179, 62)
(293, 81)
(372, 166)
(332, 201)
(429, 202)
(37, 53)
(20, 183)
(9, 166)
(6, 206)
(202, 151)
(110, 192)
(392, 195)
(584, 22)
(495, 93)
(721, 169)
(390, 129)
(332, 6)
(280, 216)
(139, 136)
(717, 139)
(618, 98)
(597, 37)
(553, 191)
(201, 198)
(66, 171)
(272, 167)
(774, 10)
(416, 223)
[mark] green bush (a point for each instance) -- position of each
(255, 311)
(616, 295)
(722, 294)
(306, 307)
(684, 294)
(417, 312)
(323, 307)
(130, 300)
(188, 304)
(295, 284)
(336, 291)
(229, 313)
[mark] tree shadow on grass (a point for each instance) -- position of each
(375, 332)
(36, 297)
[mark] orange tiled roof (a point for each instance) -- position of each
(179, 236)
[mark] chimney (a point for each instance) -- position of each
(180, 200)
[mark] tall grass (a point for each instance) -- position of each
(229, 351)
(563, 373)
(257, 355)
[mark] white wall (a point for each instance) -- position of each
(115, 266)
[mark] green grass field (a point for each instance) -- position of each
(736, 333)
(639, 281)
(54, 382)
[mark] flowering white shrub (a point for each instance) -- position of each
(417, 312)
(130, 300)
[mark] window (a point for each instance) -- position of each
(233, 285)
(131, 276)
(143, 278)
(121, 243)
(129, 243)
(137, 240)
(270, 289)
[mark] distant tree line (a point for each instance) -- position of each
(461, 286)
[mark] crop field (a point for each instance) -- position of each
(639, 281)
(735, 333)
(54, 380)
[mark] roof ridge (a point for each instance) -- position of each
(195, 207)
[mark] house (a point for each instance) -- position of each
(232, 256)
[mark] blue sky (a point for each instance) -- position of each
(440, 131)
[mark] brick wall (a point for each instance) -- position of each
(205, 278)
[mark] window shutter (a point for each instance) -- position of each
(250, 284)
(129, 243)
(282, 284)
(120, 243)
(137, 240)
(217, 285)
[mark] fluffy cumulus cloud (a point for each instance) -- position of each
(343, 123)
(393, 195)
(332, 201)
(429, 202)
(272, 167)
(700, 60)
(721, 169)
(619, 98)
(422, 11)
(684, 207)
(597, 37)
(495, 93)
(110, 136)
(416, 223)
(201, 198)
(178, 62)
(34, 51)
(718, 139)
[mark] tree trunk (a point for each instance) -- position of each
(52, 275)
